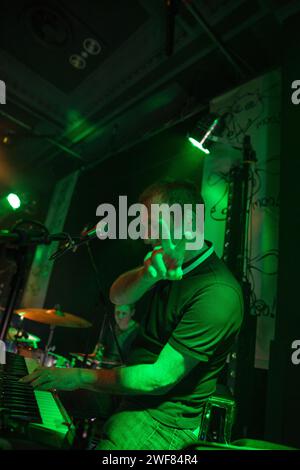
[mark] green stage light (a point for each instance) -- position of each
(14, 201)
(205, 132)
(198, 144)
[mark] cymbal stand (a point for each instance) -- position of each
(49, 341)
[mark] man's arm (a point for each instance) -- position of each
(145, 379)
(131, 286)
(164, 262)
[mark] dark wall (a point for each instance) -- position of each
(283, 405)
(73, 284)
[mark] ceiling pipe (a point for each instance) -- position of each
(216, 40)
(52, 141)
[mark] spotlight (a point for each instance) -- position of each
(9, 202)
(199, 145)
(13, 200)
(206, 131)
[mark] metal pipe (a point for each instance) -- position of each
(48, 139)
(217, 41)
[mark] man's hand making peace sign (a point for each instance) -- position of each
(165, 261)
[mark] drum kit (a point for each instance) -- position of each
(26, 344)
(22, 342)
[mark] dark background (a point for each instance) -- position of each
(122, 121)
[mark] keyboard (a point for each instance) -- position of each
(36, 415)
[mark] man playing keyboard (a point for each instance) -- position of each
(195, 311)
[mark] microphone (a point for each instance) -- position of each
(93, 232)
(85, 235)
(88, 233)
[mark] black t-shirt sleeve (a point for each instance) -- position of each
(213, 316)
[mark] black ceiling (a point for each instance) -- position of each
(65, 42)
(86, 78)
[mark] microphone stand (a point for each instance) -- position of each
(15, 287)
(72, 245)
(107, 316)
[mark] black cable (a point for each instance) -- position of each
(222, 176)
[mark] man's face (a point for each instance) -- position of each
(123, 315)
(178, 226)
(150, 221)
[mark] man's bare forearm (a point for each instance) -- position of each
(131, 286)
(133, 380)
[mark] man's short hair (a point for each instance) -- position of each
(173, 191)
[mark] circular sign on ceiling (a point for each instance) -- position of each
(48, 25)
(77, 61)
(92, 46)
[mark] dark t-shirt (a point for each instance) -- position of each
(199, 316)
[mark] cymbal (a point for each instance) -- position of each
(52, 316)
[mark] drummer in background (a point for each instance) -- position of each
(126, 329)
